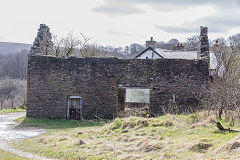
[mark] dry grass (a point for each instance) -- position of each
(166, 137)
(9, 156)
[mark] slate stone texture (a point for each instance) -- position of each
(51, 80)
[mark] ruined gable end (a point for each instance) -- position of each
(42, 44)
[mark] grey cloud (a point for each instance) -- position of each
(124, 7)
(186, 3)
(118, 33)
(226, 17)
(114, 10)
(194, 29)
(214, 24)
(220, 22)
(116, 7)
(177, 29)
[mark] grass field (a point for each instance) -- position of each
(12, 110)
(166, 137)
(9, 156)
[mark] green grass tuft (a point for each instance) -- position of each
(58, 123)
(9, 156)
(116, 124)
(12, 110)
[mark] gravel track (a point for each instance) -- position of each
(9, 132)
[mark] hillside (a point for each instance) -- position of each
(9, 47)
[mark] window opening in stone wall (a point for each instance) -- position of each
(74, 108)
(133, 102)
(137, 95)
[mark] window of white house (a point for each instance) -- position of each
(137, 95)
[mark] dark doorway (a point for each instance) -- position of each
(75, 108)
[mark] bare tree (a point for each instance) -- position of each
(77, 46)
(70, 44)
(12, 92)
(13, 74)
(57, 47)
(92, 50)
(235, 40)
(136, 48)
(224, 92)
(222, 43)
(14, 65)
(192, 42)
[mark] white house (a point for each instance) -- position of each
(216, 65)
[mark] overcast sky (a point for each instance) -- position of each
(118, 22)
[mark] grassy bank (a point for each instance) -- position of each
(12, 110)
(58, 124)
(9, 156)
(167, 137)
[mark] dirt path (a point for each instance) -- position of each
(8, 133)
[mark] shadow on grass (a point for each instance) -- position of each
(58, 123)
(221, 132)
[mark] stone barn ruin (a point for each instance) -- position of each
(89, 88)
(98, 83)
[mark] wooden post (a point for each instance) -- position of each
(220, 127)
(81, 115)
(24, 104)
(68, 108)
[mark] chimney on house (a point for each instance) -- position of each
(216, 47)
(151, 43)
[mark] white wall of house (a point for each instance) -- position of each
(213, 61)
(148, 54)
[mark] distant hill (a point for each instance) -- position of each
(9, 47)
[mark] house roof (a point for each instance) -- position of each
(147, 49)
(215, 60)
(178, 54)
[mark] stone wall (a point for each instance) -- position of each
(171, 81)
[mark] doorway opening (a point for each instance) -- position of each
(74, 110)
